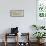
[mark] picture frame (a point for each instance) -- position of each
(17, 13)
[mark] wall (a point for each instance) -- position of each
(24, 23)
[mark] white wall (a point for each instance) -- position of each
(24, 23)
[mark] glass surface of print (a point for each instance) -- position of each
(17, 13)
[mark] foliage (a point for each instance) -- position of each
(39, 35)
(34, 26)
(42, 27)
(37, 28)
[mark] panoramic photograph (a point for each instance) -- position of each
(22, 22)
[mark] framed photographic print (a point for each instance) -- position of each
(17, 13)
